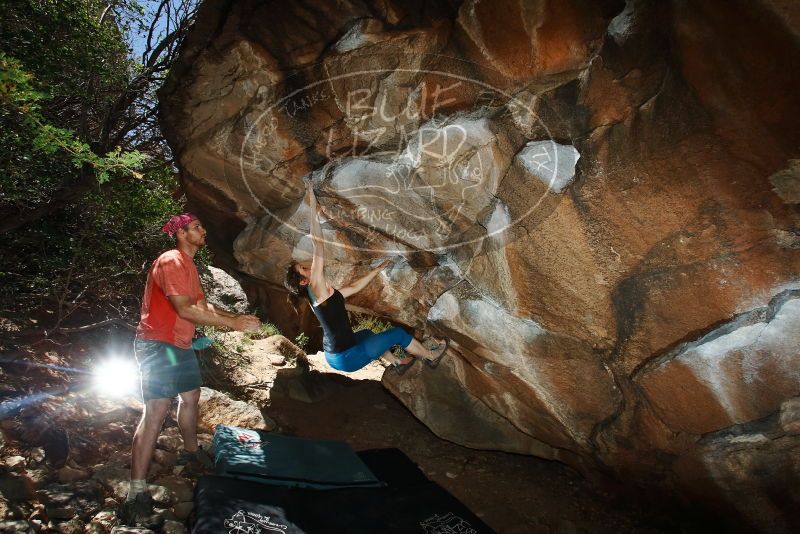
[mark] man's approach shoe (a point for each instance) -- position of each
(139, 512)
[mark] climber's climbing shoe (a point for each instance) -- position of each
(401, 368)
(434, 363)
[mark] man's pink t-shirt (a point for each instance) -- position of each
(173, 273)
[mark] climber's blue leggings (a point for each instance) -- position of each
(369, 347)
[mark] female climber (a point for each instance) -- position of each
(346, 350)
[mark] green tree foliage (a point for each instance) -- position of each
(85, 176)
(97, 248)
(28, 131)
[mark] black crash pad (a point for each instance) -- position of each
(230, 505)
(409, 503)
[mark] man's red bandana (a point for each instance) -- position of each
(177, 222)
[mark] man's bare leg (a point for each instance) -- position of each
(138, 507)
(146, 435)
(187, 418)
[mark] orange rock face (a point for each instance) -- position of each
(597, 202)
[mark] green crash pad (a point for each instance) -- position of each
(281, 460)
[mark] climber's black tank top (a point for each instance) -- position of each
(332, 316)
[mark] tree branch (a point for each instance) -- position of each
(153, 64)
(105, 12)
(84, 328)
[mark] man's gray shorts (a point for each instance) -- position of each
(166, 370)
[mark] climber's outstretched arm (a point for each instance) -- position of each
(362, 282)
(317, 279)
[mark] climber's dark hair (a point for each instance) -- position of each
(292, 284)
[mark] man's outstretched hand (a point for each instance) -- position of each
(246, 323)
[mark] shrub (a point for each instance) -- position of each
(266, 330)
(363, 321)
(302, 340)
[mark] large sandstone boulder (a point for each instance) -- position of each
(247, 366)
(216, 408)
(595, 201)
(222, 290)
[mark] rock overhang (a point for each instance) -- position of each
(652, 228)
